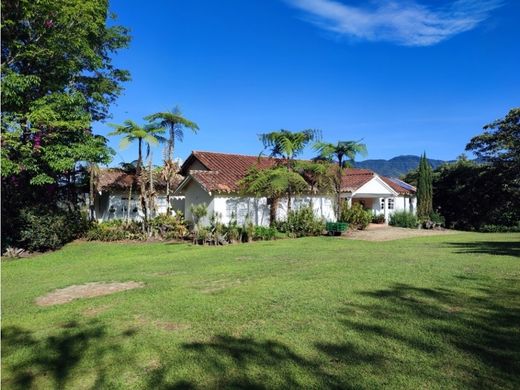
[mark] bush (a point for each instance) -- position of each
(169, 227)
(404, 219)
(437, 218)
(356, 216)
(301, 223)
(116, 230)
(42, 230)
(499, 229)
(378, 218)
(264, 233)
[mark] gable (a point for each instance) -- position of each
(375, 186)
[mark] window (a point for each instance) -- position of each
(390, 203)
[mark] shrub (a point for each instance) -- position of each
(264, 233)
(499, 229)
(404, 219)
(116, 230)
(302, 223)
(198, 211)
(356, 216)
(233, 231)
(378, 218)
(169, 227)
(42, 230)
(437, 218)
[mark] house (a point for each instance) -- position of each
(117, 195)
(212, 178)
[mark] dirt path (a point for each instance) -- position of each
(88, 290)
(376, 232)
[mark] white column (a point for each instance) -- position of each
(386, 210)
(349, 201)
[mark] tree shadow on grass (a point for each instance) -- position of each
(54, 357)
(503, 248)
(477, 329)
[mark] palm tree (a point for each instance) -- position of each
(288, 145)
(317, 174)
(273, 184)
(175, 123)
(149, 134)
(338, 152)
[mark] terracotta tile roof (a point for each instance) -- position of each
(225, 170)
(355, 178)
(118, 179)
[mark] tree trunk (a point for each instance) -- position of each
(142, 185)
(91, 193)
(273, 207)
(171, 147)
(129, 203)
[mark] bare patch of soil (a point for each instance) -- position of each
(387, 233)
(88, 290)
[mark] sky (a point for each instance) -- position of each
(405, 77)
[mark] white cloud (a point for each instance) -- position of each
(406, 23)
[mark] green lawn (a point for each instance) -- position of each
(424, 313)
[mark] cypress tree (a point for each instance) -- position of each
(424, 189)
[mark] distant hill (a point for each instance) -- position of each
(396, 166)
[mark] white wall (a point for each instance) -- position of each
(194, 195)
(118, 201)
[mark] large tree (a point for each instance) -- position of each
(175, 123)
(57, 77)
(286, 145)
(341, 153)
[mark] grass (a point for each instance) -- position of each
(437, 312)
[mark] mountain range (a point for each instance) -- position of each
(396, 166)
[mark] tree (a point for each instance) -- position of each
(424, 189)
(337, 153)
(149, 134)
(273, 184)
(317, 174)
(57, 77)
(175, 123)
(287, 145)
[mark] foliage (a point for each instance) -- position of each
(149, 134)
(356, 216)
(198, 211)
(168, 227)
(115, 230)
(49, 229)
(264, 233)
(233, 231)
(302, 222)
(470, 195)
(437, 218)
(338, 152)
(317, 174)
(57, 77)
(499, 229)
(273, 183)
(424, 189)
(286, 144)
(404, 219)
(378, 218)
(175, 123)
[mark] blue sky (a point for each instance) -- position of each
(404, 76)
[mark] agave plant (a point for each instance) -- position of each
(14, 253)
